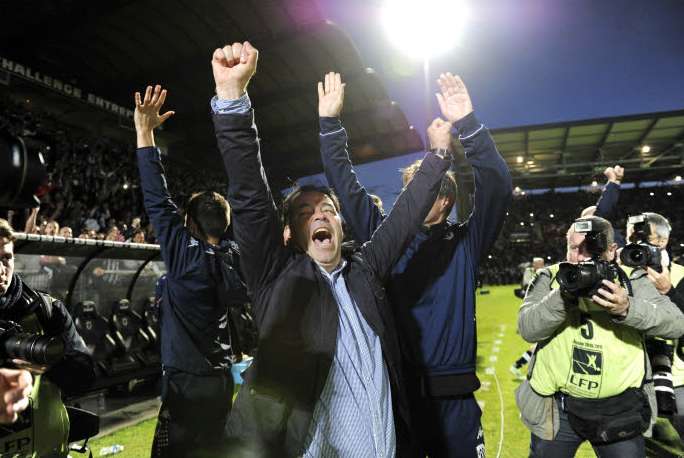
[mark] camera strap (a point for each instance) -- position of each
(624, 279)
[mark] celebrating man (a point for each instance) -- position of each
(327, 377)
(433, 283)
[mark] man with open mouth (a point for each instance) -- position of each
(327, 377)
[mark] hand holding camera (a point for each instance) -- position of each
(613, 298)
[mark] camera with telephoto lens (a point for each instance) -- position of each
(22, 170)
(35, 349)
(584, 278)
(640, 253)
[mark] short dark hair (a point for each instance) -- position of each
(210, 212)
(6, 231)
(298, 191)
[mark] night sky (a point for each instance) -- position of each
(531, 62)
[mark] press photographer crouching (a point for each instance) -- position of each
(590, 378)
(37, 332)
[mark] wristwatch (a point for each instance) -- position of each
(442, 153)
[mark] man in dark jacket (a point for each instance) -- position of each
(202, 281)
(433, 283)
(326, 380)
(39, 313)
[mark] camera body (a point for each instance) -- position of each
(585, 278)
(35, 349)
(640, 253)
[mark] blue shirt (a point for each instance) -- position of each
(353, 416)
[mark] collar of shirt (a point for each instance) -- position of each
(332, 275)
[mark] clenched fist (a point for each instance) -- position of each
(233, 66)
(614, 174)
(439, 134)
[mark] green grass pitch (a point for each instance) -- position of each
(498, 347)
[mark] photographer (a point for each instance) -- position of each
(648, 235)
(41, 315)
(590, 378)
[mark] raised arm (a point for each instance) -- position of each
(256, 225)
(607, 205)
(30, 227)
(412, 206)
(358, 209)
(165, 217)
(493, 184)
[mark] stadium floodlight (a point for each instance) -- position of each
(645, 149)
(519, 159)
(426, 28)
(551, 216)
(669, 193)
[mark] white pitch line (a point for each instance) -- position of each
(501, 403)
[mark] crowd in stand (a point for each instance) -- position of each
(92, 189)
(529, 232)
(93, 192)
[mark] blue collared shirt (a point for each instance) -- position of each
(353, 416)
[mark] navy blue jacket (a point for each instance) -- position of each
(606, 207)
(433, 283)
(200, 284)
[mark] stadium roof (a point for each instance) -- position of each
(649, 146)
(114, 48)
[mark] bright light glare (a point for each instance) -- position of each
(519, 159)
(425, 28)
(645, 149)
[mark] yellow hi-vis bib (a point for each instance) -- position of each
(590, 356)
(42, 430)
(676, 276)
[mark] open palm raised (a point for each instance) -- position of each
(454, 100)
